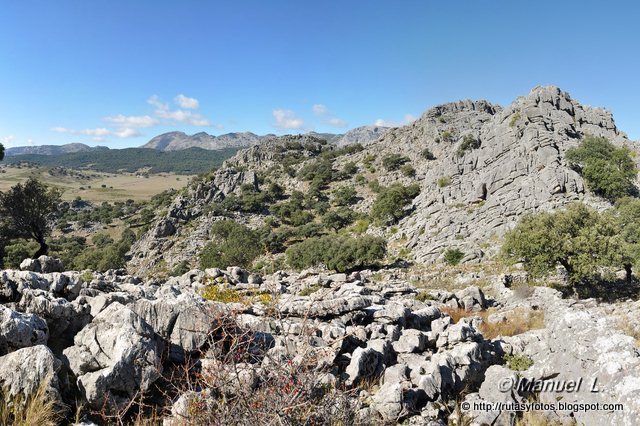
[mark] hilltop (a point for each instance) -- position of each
(479, 167)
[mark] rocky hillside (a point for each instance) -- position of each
(175, 141)
(362, 135)
(52, 149)
(479, 168)
(357, 349)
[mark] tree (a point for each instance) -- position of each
(1, 152)
(27, 209)
(340, 253)
(578, 238)
(609, 171)
(628, 221)
(234, 244)
(389, 206)
(393, 162)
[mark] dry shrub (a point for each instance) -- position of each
(248, 378)
(518, 321)
(37, 409)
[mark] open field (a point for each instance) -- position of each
(94, 186)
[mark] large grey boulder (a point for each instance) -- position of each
(393, 401)
(185, 321)
(43, 264)
(18, 330)
(25, 370)
(115, 357)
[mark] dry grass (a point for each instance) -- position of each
(118, 186)
(626, 326)
(517, 321)
(37, 409)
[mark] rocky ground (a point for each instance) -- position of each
(354, 348)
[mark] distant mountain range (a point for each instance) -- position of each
(178, 141)
(52, 149)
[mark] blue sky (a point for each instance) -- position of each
(119, 72)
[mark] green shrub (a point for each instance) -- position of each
(349, 170)
(408, 170)
(389, 206)
(319, 171)
(424, 296)
(518, 362)
(340, 253)
(180, 269)
(453, 256)
(233, 244)
(444, 181)
(446, 136)
(310, 290)
(345, 196)
(514, 119)
(609, 171)
(338, 218)
(427, 154)
(468, 143)
(393, 162)
(578, 238)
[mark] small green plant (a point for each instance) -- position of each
(393, 162)
(444, 181)
(441, 119)
(408, 170)
(514, 119)
(424, 296)
(453, 256)
(518, 362)
(446, 136)
(219, 293)
(310, 290)
(468, 143)
(427, 154)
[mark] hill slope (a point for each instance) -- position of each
(52, 149)
(487, 166)
(187, 161)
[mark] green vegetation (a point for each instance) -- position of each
(514, 119)
(339, 218)
(444, 181)
(578, 238)
(393, 162)
(25, 210)
(184, 162)
(233, 244)
(340, 253)
(609, 171)
(468, 143)
(427, 154)
(424, 296)
(408, 170)
(453, 256)
(389, 206)
(106, 253)
(345, 196)
(1, 152)
(518, 362)
(446, 136)
(310, 290)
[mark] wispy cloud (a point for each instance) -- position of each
(99, 133)
(287, 120)
(408, 119)
(186, 102)
(138, 121)
(164, 112)
(327, 116)
(7, 141)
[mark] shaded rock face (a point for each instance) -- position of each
(27, 369)
(114, 357)
(471, 193)
(44, 264)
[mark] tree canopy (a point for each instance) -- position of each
(26, 211)
(609, 171)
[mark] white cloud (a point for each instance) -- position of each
(287, 120)
(163, 112)
(7, 141)
(408, 119)
(319, 109)
(98, 133)
(131, 120)
(126, 133)
(327, 116)
(186, 102)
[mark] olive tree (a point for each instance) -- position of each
(577, 238)
(26, 210)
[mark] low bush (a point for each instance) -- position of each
(390, 204)
(393, 162)
(233, 244)
(340, 253)
(453, 256)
